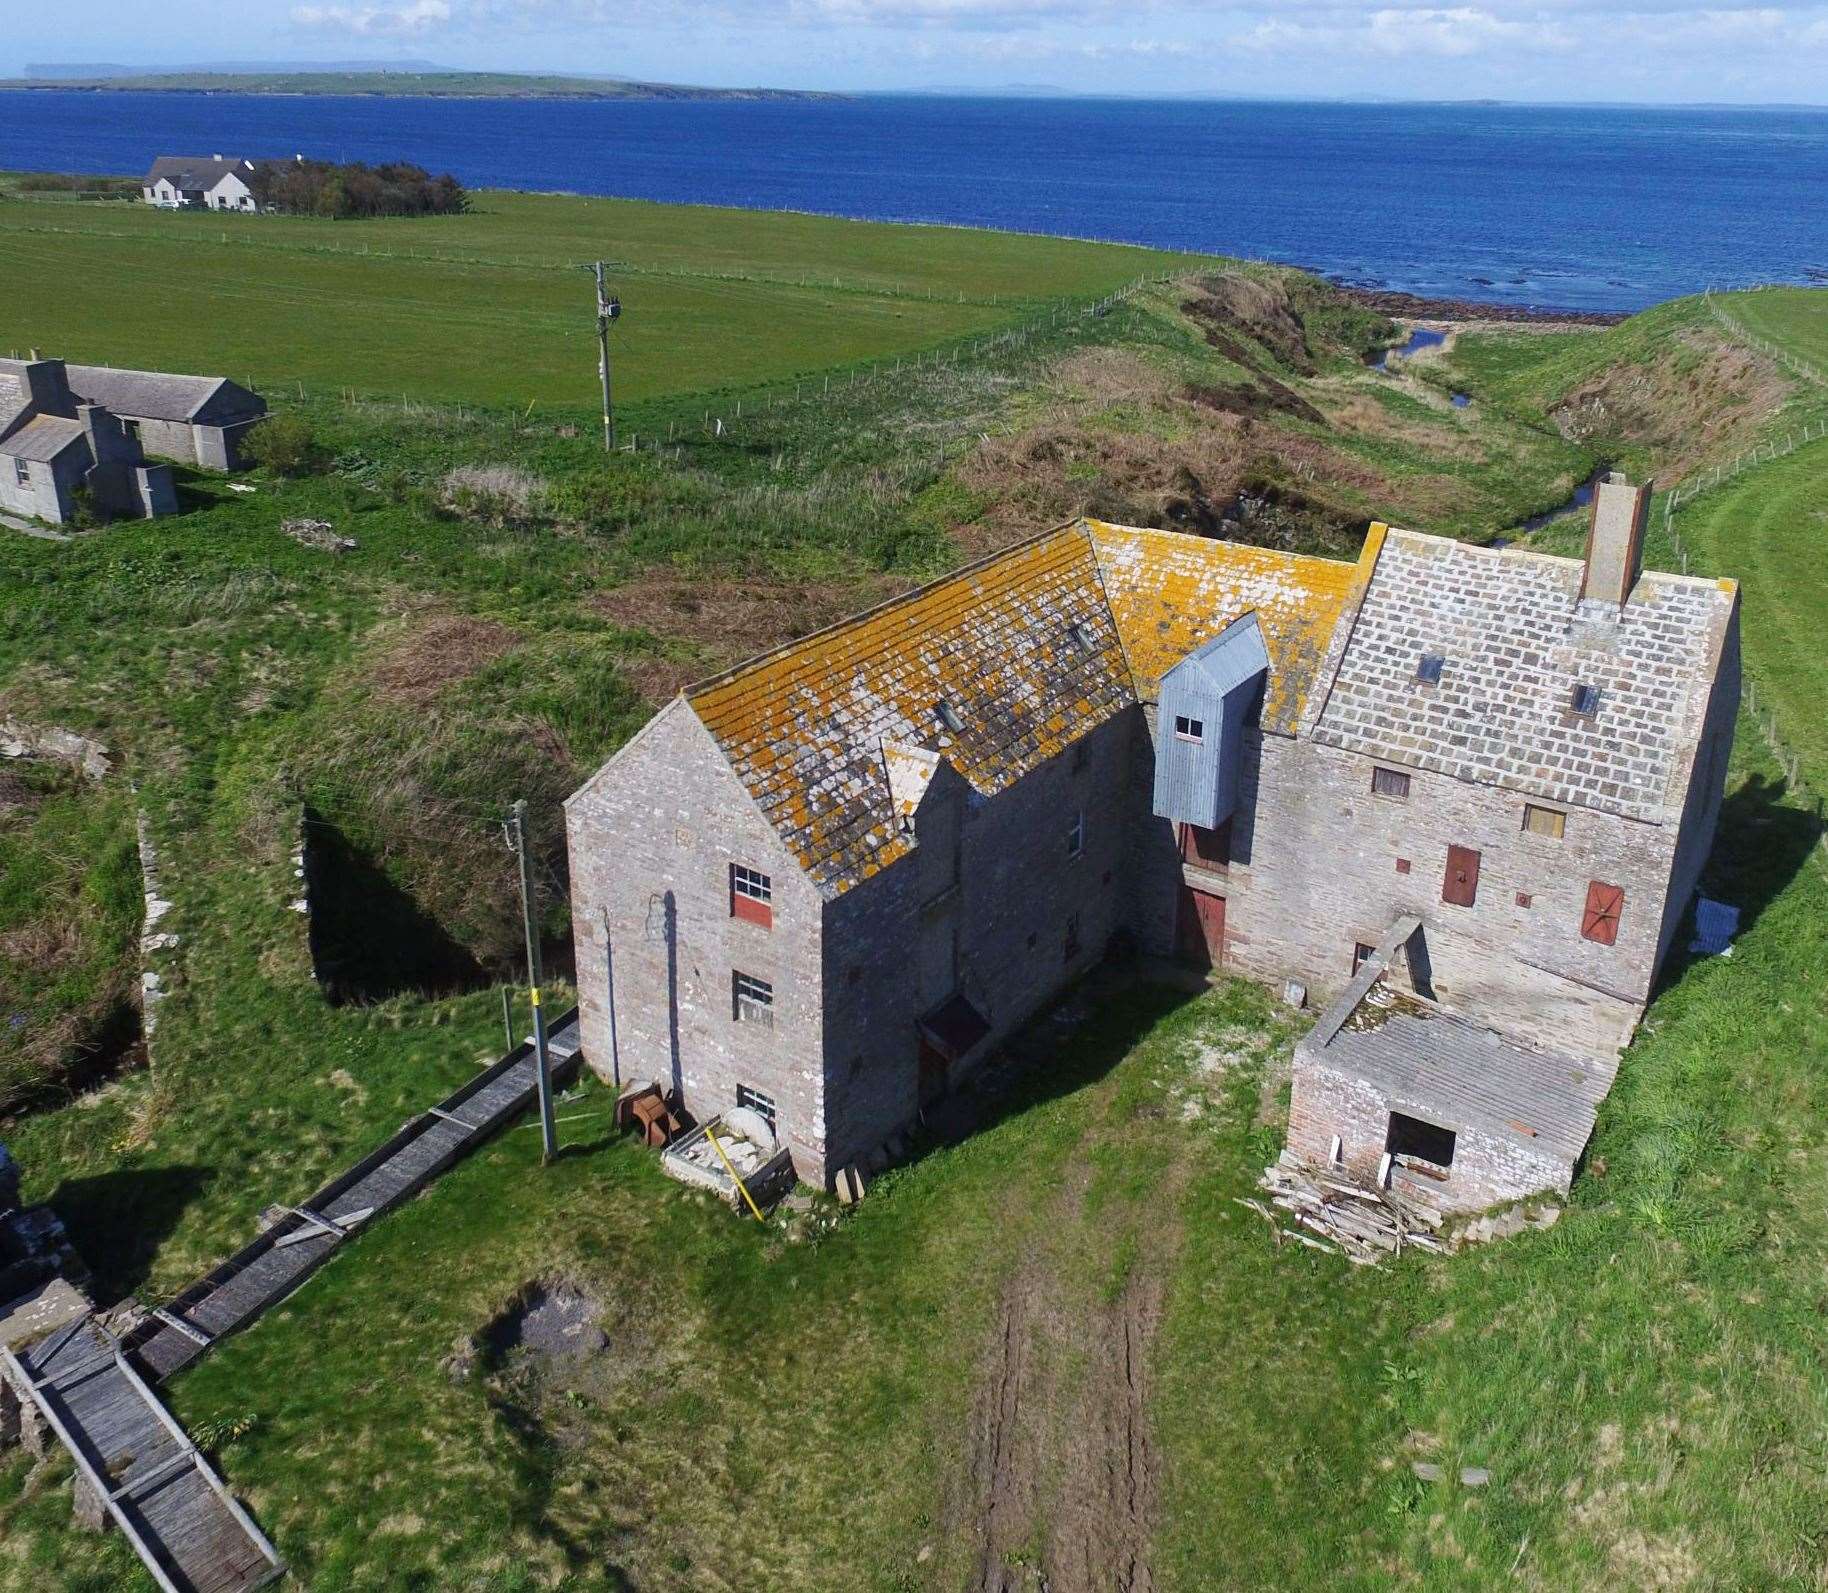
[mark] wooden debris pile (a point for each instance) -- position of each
(1330, 1212)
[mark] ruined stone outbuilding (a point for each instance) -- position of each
(1459, 796)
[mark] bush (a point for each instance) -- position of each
(497, 495)
(285, 445)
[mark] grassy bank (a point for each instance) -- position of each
(495, 307)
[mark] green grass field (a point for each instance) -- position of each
(1793, 318)
(495, 307)
(804, 1405)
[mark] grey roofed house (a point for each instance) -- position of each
(214, 182)
(198, 420)
(59, 451)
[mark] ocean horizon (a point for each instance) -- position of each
(1575, 207)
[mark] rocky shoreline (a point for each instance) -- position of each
(1414, 307)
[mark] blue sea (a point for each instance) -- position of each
(1568, 207)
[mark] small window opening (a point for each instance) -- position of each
(1424, 1142)
(949, 716)
(1075, 836)
(22, 472)
(1361, 954)
(1390, 783)
(1551, 822)
(762, 1105)
(1584, 699)
(753, 1000)
(1186, 729)
(1084, 635)
(1428, 671)
(751, 896)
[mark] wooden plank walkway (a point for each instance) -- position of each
(151, 1479)
(266, 1271)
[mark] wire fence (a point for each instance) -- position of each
(1760, 704)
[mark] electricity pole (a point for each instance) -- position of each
(608, 309)
(517, 822)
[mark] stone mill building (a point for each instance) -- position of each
(1457, 797)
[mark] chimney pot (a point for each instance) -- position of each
(1615, 540)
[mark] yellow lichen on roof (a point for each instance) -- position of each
(1021, 647)
(1169, 592)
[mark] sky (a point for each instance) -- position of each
(1541, 50)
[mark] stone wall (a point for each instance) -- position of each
(1317, 868)
(1018, 890)
(1486, 1170)
(651, 840)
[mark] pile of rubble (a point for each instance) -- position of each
(319, 534)
(1331, 1212)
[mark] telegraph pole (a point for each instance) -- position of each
(548, 1130)
(608, 309)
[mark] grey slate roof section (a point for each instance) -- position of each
(1445, 1069)
(42, 438)
(1517, 638)
(147, 395)
(198, 172)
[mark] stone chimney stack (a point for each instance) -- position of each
(1615, 540)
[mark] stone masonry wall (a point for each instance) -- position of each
(1316, 869)
(651, 840)
(1486, 1170)
(1017, 889)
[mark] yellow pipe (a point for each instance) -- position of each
(717, 1145)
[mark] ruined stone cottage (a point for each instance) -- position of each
(1460, 796)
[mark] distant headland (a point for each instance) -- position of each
(376, 83)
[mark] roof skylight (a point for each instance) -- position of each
(949, 716)
(1428, 671)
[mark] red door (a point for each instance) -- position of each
(1202, 927)
(1461, 886)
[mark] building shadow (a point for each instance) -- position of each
(118, 1221)
(1073, 1043)
(1763, 842)
(370, 939)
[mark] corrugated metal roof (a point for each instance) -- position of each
(1236, 655)
(42, 438)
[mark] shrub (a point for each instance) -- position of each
(285, 445)
(497, 495)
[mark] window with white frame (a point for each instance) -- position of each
(22, 472)
(751, 895)
(762, 1105)
(1075, 836)
(753, 999)
(1186, 729)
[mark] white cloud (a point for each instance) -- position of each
(418, 17)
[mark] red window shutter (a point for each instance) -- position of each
(1605, 907)
(1461, 886)
(751, 911)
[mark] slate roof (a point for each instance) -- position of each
(1517, 638)
(42, 438)
(1170, 593)
(1446, 1069)
(196, 173)
(144, 395)
(806, 726)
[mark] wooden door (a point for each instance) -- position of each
(1202, 927)
(1461, 886)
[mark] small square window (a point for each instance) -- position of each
(1186, 729)
(762, 1105)
(1584, 700)
(1428, 670)
(1402, 865)
(1361, 954)
(1551, 822)
(1390, 783)
(1524, 898)
(753, 1000)
(1075, 836)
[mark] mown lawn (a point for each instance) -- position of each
(495, 307)
(1793, 318)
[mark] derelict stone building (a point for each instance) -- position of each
(1462, 794)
